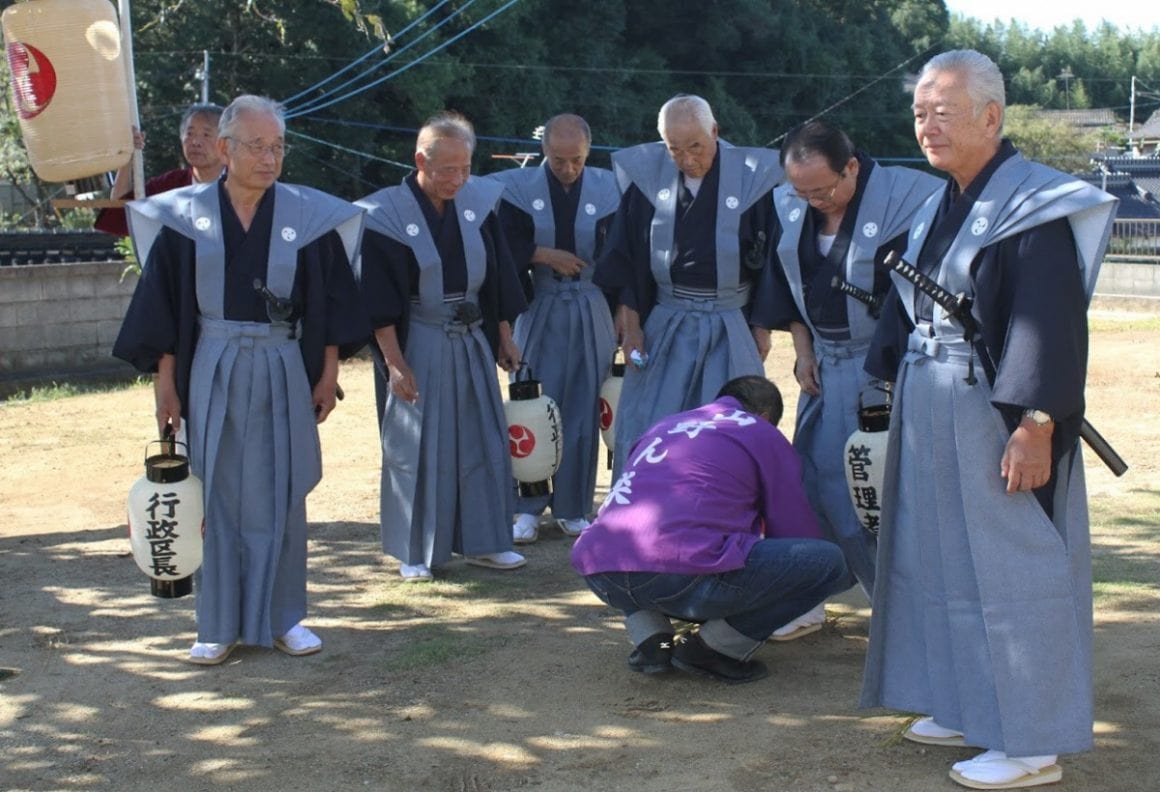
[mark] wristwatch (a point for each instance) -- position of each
(1038, 417)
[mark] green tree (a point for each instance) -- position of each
(1052, 142)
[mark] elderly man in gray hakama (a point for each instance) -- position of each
(566, 335)
(685, 250)
(982, 610)
(248, 376)
(873, 206)
(440, 285)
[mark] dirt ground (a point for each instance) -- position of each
(483, 680)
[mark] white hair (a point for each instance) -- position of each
(248, 103)
(983, 78)
(446, 124)
(686, 106)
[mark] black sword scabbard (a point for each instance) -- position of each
(959, 307)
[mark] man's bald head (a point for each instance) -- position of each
(567, 140)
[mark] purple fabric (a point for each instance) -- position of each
(699, 490)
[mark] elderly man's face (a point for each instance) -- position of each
(953, 138)
(199, 142)
(691, 147)
(566, 154)
(254, 151)
(815, 181)
(447, 169)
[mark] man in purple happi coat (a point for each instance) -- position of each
(709, 523)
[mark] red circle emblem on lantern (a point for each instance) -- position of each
(33, 79)
(605, 414)
(521, 441)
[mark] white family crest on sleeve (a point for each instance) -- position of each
(692, 427)
(739, 417)
(620, 491)
(650, 455)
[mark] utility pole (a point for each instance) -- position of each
(205, 76)
(1066, 76)
(1132, 109)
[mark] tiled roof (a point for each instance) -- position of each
(1093, 117)
(1150, 129)
(1135, 203)
(1135, 166)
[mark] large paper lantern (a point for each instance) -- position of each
(69, 86)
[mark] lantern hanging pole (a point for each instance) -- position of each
(138, 159)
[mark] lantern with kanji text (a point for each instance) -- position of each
(166, 521)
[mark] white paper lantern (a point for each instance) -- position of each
(865, 461)
(535, 438)
(166, 522)
(609, 403)
(69, 86)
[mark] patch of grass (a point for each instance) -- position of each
(1127, 323)
(46, 393)
(1126, 534)
(54, 391)
(434, 645)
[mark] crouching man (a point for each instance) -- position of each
(709, 523)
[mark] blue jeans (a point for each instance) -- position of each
(781, 579)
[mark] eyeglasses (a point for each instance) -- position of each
(822, 194)
(278, 150)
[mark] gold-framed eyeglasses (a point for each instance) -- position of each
(278, 150)
(822, 194)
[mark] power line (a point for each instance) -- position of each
(357, 153)
(377, 48)
(854, 93)
(415, 131)
(344, 171)
(316, 101)
(402, 69)
(1088, 80)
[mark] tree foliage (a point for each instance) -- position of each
(1046, 140)
(765, 65)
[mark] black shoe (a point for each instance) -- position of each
(694, 656)
(653, 656)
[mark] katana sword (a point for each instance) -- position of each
(873, 303)
(958, 307)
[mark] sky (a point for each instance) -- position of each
(1046, 15)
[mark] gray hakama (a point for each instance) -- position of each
(886, 200)
(697, 338)
(566, 335)
(250, 422)
(447, 482)
(251, 401)
(694, 348)
(982, 609)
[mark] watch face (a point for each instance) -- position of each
(1038, 416)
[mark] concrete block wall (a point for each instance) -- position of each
(61, 317)
(1129, 279)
